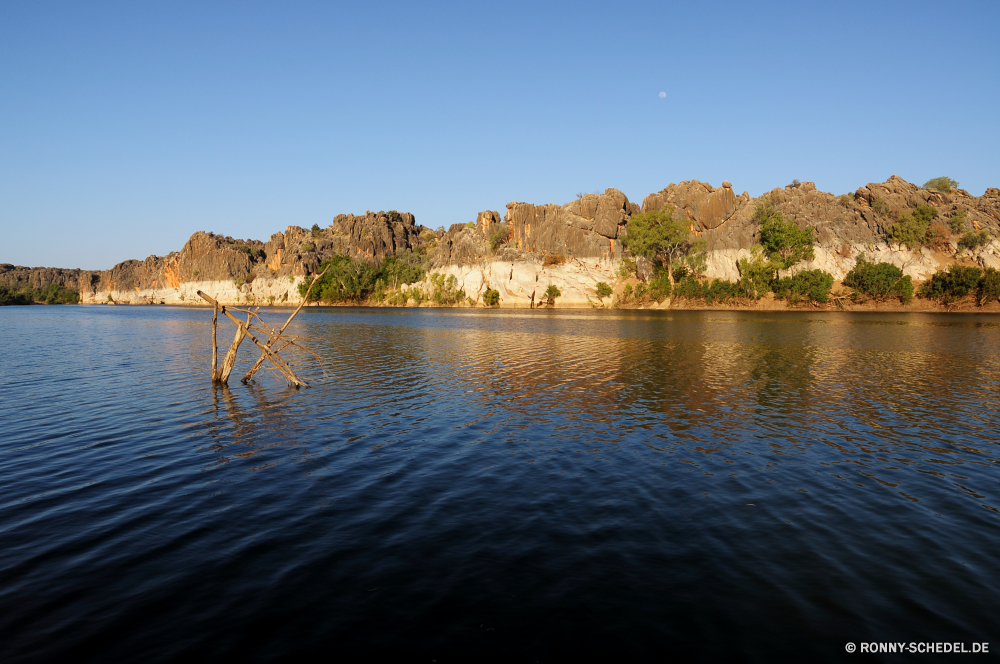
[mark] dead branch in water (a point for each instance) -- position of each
(274, 336)
(215, 345)
(244, 330)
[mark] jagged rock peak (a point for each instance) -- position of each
(698, 201)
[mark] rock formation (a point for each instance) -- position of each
(507, 255)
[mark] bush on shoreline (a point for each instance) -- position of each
(878, 281)
(51, 294)
(957, 282)
(811, 285)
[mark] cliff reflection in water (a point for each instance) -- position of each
(530, 485)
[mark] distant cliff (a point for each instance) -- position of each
(506, 254)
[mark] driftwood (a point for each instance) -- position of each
(215, 345)
(230, 359)
(275, 336)
(244, 330)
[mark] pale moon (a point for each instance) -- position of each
(662, 95)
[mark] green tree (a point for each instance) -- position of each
(782, 239)
(656, 234)
(942, 183)
(603, 290)
(491, 298)
(551, 293)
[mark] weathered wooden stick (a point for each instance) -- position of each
(245, 331)
(230, 360)
(280, 363)
(215, 345)
(274, 337)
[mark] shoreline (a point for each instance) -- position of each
(918, 305)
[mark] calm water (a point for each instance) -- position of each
(530, 486)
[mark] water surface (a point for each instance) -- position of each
(532, 486)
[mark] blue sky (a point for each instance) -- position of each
(128, 126)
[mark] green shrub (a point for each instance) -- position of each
(989, 286)
(379, 290)
(446, 290)
(880, 206)
(942, 183)
(551, 293)
(756, 274)
(626, 293)
(973, 240)
(913, 228)
(51, 294)
(878, 281)
(307, 247)
(627, 268)
(603, 290)
(952, 284)
(491, 298)
(553, 259)
(499, 236)
(813, 285)
(957, 221)
(10, 296)
(721, 290)
(688, 287)
(659, 286)
(470, 224)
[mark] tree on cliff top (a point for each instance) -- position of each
(656, 234)
(942, 183)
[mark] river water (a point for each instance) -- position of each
(529, 486)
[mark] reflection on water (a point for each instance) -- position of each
(530, 485)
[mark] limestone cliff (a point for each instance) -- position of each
(506, 254)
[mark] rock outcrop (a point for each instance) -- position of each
(507, 254)
(708, 206)
(589, 227)
(18, 276)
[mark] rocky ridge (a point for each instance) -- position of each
(584, 237)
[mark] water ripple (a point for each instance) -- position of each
(520, 485)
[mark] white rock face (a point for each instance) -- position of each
(919, 265)
(523, 283)
(518, 282)
(284, 290)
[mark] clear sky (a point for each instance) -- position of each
(125, 127)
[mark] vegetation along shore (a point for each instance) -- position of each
(889, 245)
